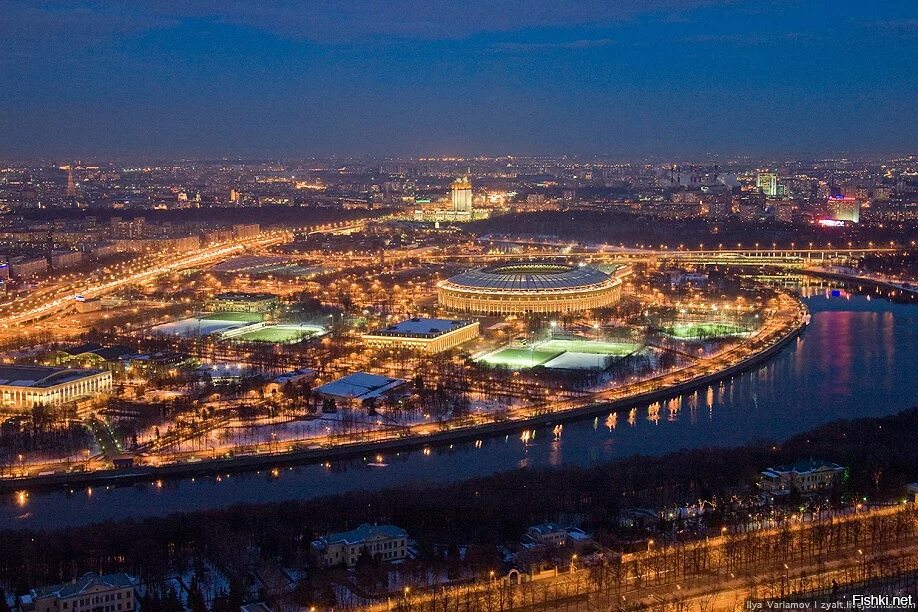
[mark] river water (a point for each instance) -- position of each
(858, 357)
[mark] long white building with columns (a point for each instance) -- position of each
(22, 387)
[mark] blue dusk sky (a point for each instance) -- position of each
(186, 78)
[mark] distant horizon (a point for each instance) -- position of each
(669, 78)
(701, 158)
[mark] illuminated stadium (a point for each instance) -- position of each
(534, 287)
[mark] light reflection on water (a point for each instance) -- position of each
(854, 360)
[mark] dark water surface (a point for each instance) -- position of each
(857, 358)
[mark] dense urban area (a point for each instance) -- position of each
(210, 319)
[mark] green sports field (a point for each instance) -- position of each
(245, 317)
(519, 357)
(279, 334)
(615, 349)
(696, 331)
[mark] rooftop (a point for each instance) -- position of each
(242, 296)
(532, 276)
(806, 466)
(40, 376)
(115, 581)
(360, 385)
(108, 353)
(422, 328)
(364, 533)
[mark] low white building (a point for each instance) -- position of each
(360, 387)
(383, 542)
(427, 335)
(25, 386)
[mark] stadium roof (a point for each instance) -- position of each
(530, 277)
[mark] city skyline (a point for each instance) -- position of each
(422, 305)
(153, 80)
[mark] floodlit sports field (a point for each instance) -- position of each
(698, 331)
(197, 327)
(615, 349)
(279, 334)
(561, 354)
(518, 357)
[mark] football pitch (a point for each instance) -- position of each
(280, 334)
(519, 357)
(615, 349)
(696, 331)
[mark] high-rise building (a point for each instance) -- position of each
(767, 183)
(460, 209)
(846, 209)
(461, 195)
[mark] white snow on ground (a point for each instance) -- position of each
(578, 361)
(197, 327)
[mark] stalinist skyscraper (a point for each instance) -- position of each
(461, 196)
(460, 210)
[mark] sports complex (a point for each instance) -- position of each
(239, 327)
(533, 287)
(561, 354)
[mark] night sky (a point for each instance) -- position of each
(419, 77)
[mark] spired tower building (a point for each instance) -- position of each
(461, 208)
(461, 196)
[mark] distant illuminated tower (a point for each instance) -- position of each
(461, 195)
(71, 184)
(767, 182)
